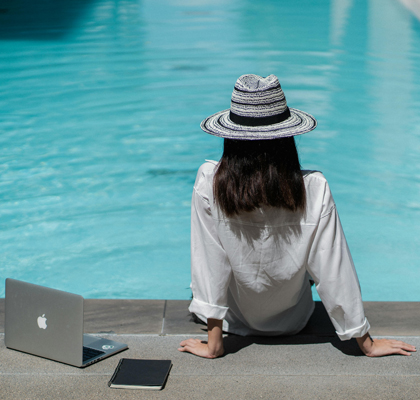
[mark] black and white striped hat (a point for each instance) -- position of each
(258, 110)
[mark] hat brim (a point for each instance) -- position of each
(219, 124)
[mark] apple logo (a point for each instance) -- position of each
(42, 322)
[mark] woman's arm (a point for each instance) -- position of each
(213, 347)
(383, 347)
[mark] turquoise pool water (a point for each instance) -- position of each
(100, 105)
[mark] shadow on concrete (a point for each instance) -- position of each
(319, 329)
(233, 343)
(40, 19)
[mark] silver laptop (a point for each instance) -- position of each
(49, 323)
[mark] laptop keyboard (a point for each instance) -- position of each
(89, 353)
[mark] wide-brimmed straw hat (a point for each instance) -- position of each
(258, 111)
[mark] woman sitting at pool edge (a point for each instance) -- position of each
(261, 228)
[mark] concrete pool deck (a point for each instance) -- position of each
(314, 364)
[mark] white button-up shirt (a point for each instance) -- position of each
(252, 270)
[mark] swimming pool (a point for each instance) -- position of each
(100, 105)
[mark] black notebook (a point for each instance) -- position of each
(140, 374)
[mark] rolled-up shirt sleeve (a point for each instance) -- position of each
(210, 268)
(331, 266)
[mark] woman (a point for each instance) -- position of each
(261, 228)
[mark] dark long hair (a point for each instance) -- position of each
(253, 173)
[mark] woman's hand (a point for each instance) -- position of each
(199, 348)
(383, 347)
(211, 349)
